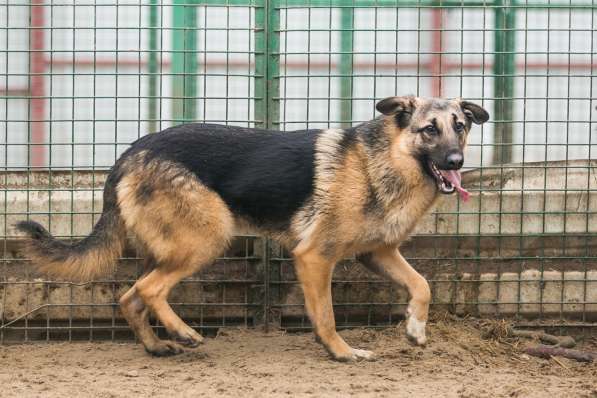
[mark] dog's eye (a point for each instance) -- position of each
(430, 129)
(459, 127)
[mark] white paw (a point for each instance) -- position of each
(415, 329)
(363, 354)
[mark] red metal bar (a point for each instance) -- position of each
(445, 64)
(435, 61)
(98, 62)
(134, 63)
(15, 92)
(37, 66)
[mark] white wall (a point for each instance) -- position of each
(94, 113)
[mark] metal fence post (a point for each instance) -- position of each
(152, 66)
(503, 70)
(267, 102)
(260, 81)
(267, 65)
(184, 61)
(346, 65)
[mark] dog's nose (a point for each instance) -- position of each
(454, 160)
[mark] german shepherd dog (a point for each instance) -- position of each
(324, 194)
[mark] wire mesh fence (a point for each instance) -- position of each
(80, 82)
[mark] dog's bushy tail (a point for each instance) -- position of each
(94, 256)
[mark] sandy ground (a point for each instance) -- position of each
(456, 363)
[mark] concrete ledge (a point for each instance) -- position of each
(528, 294)
(517, 219)
(541, 198)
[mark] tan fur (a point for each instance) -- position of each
(341, 226)
(315, 273)
(80, 266)
(136, 313)
(180, 213)
(184, 226)
(343, 188)
(400, 271)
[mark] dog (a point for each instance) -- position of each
(324, 194)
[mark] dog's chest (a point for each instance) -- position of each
(397, 221)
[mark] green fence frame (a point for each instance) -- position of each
(267, 59)
(504, 66)
(184, 61)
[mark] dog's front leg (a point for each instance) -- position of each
(389, 262)
(315, 274)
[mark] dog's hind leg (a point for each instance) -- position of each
(315, 274)
(154, 291)
(179, 254)
(389, 262)
(183, 226)
(137, 315)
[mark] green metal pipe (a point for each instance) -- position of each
(152, 104)
(184, 62)
(387, 3)
(267, 66)
(422, 3)
(260, 81)
(504, 66)
(346, 65)
(224, 3)
(190, 58)
(273, 67)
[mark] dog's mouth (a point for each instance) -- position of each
(448, 181)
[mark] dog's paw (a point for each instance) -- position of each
(415, 330)
(363, 354)
(188, 337)
(355, 355)
(164, 348)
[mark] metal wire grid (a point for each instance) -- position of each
(116, 71)
(79, 84)
(526, 249)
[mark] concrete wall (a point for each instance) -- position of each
(530, 234)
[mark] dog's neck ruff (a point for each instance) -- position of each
(392, 187)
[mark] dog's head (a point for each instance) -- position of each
(434, 131)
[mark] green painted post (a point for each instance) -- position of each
(273, 65)
(152, 104)
(267, 64)
(177, 62)
(346, 63)
(184, 62)
(267, 112)
(504, 68)
(260, 80)
(190, 64)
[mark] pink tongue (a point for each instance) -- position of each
(454, 177)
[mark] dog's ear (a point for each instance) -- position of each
(402, 107)
(474, 112)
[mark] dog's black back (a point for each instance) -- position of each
(262, 175)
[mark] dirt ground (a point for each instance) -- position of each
(457, 362)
